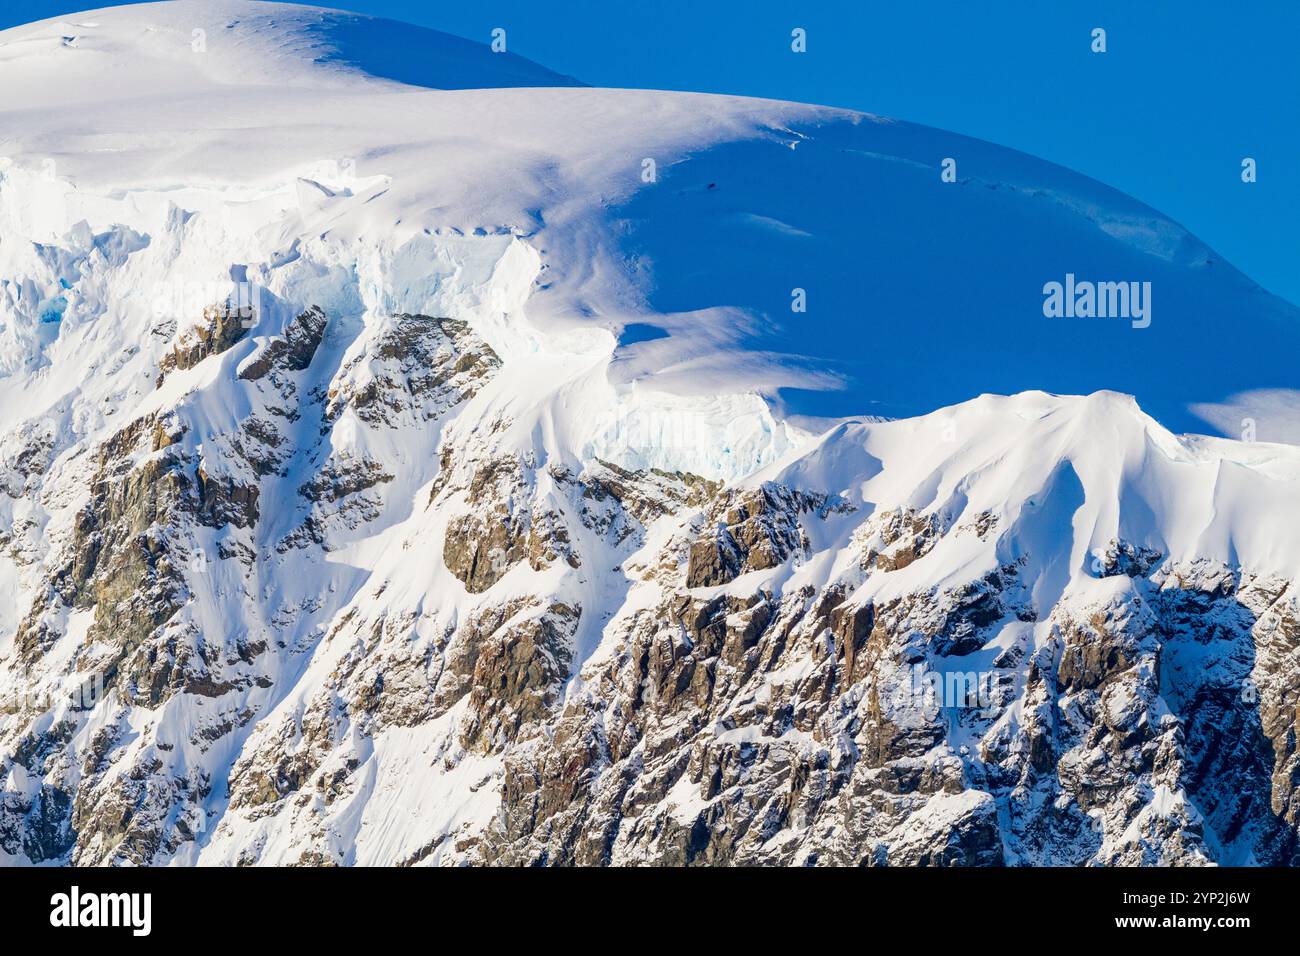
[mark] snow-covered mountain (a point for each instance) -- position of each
(408, 455)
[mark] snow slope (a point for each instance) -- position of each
(921, 293)
(148, 48)
(521, 383)
(911, 303)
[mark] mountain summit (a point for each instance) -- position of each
(409, 456)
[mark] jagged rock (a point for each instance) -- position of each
(293, 754)
(1109, 642)
(416, 365)
(894, 539)
(749, 531)
(481, 547)
(221, 327)
(518, 672)
(480, 552)
(950, 830)
(292, 353)
(223, 501)
(1123, 557)
(25, 454)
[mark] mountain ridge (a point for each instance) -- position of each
(410, 481)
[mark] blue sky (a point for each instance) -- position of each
(1183, 93)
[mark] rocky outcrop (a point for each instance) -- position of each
(749, 531)
(292, 352)
(481, 546)
(893, 539)
(793, 730)
(414, 365)
(166, 518)
(220, 328)
(518, 673)
(1123, 557)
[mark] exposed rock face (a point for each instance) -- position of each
(751, 531)
(1123, 557)
(479, 548)
(353, 617)
(764, 730)
(894, 539)
(171, 524)
(294, 351)
(415, 366)
(221, 327)
(519, 671)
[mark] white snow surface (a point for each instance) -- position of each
(325, 186)
(137, 175)
(132, 164)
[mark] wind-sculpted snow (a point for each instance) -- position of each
(695, 215)
(921, 292)
(254, 44)
(392, 475)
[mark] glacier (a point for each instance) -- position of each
(521, 520)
